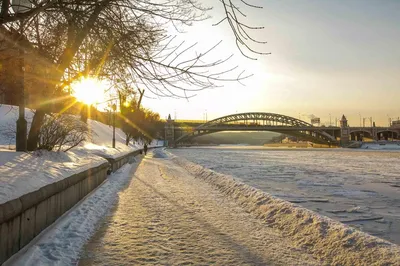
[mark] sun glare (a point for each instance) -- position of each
(88, 90)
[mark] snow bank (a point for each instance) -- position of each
(101, 141)
(329, 240)
(22, 173)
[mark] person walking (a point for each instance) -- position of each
(145, 149)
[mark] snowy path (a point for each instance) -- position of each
(167, 217)
(61, 243)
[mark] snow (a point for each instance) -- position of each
(174, 211)
(381, 145)
(61, 243)
(21, 173)
(101, 143)
(26, 172)
(166, 216)
(327, 181)
(8, 118)
(325, 238)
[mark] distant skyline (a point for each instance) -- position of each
(328, 58)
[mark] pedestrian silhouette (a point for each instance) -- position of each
(145, 149)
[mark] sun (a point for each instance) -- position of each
(88, 90)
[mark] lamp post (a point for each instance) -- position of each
(19, 7)
(114, 107)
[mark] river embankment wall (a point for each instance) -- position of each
(23, 218)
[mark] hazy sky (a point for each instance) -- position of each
(328, 57)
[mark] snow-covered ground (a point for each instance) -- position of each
(355, 186)
(21, 173)
(61, 243)
(177, 212)
(168, 217)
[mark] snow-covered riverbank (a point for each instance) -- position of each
(21, 172)
(177, 212)
(329, 241)
(358, 187)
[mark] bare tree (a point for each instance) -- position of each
(62, 133)
(234, 16)
(126, 42)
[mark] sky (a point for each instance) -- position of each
(328, 58)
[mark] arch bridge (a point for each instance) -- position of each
(257, 121)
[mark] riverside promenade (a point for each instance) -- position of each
(176, 213)
(166, 216)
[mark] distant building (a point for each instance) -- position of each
(395, 123)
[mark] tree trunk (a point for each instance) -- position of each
(64, 61)
(33, 137)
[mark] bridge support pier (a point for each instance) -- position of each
(344, 132)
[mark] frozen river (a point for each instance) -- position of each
(360, 188)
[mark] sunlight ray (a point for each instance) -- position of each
(134, 125)
(67, 107)
(58, 99)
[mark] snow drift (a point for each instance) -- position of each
(329, 240)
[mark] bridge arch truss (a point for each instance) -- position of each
(258, 121)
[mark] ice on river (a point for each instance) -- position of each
(358, 187)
